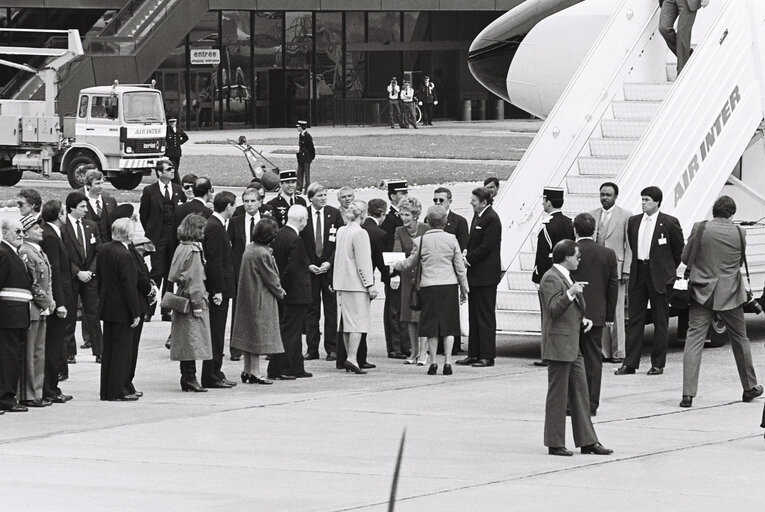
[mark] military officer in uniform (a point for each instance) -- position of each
(175, 138)
(305, 155)
(556, 228)
(287, 197)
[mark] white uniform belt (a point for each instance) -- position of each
(15, 295)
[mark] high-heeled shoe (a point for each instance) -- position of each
(447, 369)
(422, 363)
(433, 369)
(410, 361)
(245, 377)
(350, 367)
(192, 385)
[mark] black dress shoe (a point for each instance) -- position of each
(687, 401)
(281, 377)
(447, 369)
(560, 451)
(191, 385)
(15, 408)
(304, 375)
(368, 366)
(33, 403)
(482, 363)
(593, 412)
(625, 370)
(596, 449)
(71, 360)
(433, 369)
(245, 377)
(229, 382)
(310, 357)
(396, 355)
(221, 384)
(258, 380)
(331, 356)
(540, 363)
(617, 360)
(467, 361)
(126, 398)
(139, 394)
(655, 371)
(751, 394)
(85, 345)
(167, 318)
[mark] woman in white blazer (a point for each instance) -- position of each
(353, 281)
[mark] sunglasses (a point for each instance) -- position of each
(188, 186)
(438, 200)
(17, 231)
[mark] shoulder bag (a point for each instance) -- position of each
(751, 305)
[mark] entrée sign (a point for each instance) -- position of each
(205, 56)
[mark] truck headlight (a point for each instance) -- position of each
(162, 149)
(128, 149)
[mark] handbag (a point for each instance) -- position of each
(679, 290)
(751, 305)
(415, 299)
(175, 303)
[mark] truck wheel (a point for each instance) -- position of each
(77, 168)
(718, 333)
(126, 181)
(8, 175)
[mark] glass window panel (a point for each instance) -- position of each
(329, 58)
(268, 39)
(237, 89)
(445, 26)
(354, 27)
(384, 27)
(416, 26)
(355, 74)
(298, 28)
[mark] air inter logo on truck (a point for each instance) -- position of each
(706, 145)
(145, 131)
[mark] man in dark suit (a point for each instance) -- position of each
(82, 241)
(376, 210)
(119, 309)
(319, 239)
(54, 215)
(396, 337)
(714, 255)
(305, 155)
(484, 270)
(15, 296)
(287, 197)
(100, 204)
(563, 323)
(656, 240)
(428, 99)
(158, 203)
(219, 269)
(456, 225)
(203, 191)
(174, 139)
(598, 271)
(292, 262)
(240, 228)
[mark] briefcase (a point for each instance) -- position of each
(175, 303)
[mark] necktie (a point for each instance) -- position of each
(98, 207)
(81, 235)
(319, 235)
(645, 243)
(167, 192)
(603, 228)
(252, 228)
(292, 201)
(473, 223)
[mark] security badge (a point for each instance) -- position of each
(662, 240)
(332, 233)
(92, 238)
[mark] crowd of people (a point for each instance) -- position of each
(284, 264)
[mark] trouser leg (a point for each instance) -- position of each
(684, 28)
(211, 369)
(54, 339)
(699, 319)
(669, 13)
(589, 344)
(313, 316)
(90, 321)
(330, 315)
(555, 405)
(638, 304)
(742, 353)
(579, 403)
(660, 315)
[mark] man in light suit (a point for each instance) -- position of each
(100, 204)
(656, 240)
(716, 288)
(684, 11)
(562, 326)
(598, 272)
(611, 232)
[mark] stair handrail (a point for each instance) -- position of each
(668, 162)
(125, 14)
(150, 25)
(576, 114)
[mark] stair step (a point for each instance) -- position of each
(623, 128)
(527, 260)
(671, 71)
(578, 203)
(613, 147)
(587, 184)
(519, 280)
(519, 321)
(516, 300)
(646, 91)
(594, 165)
(635, 109)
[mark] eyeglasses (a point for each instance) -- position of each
(17, 231)
(188, 186)
(438, 200)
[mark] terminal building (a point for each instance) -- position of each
(266, 63)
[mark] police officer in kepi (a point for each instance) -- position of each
(305, 155)
(287, 196)
(175, 137)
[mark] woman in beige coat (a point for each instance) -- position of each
(190, 331)
(353, 281)
(256, 324)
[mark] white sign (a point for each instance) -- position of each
(207, 56)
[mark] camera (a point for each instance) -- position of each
(752, 305)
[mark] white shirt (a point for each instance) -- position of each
(485, 208)
(74, 222)
(56, 229)
(11, 246)
(605, 215)
(220, 218)
(166, 188)
(93, 200)
(645, 232)
(407, 95)
(247, 222)
(287, 198)
(294, 228)
(563, 270)
(393, 92)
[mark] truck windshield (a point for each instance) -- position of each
(143, 107)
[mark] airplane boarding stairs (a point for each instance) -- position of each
(624, 118)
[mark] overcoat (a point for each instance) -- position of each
(191, 335)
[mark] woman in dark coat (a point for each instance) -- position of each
(256, 324)
(190, 331)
